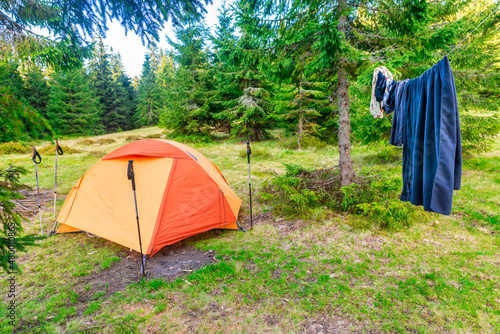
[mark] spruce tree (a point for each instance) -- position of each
(302, 107)
(226, 59)
(72, 107)
(113, 112)
(150, 97)
(243, 97)
(37, 89)
(187, 110)
(18, 120)
(124, 92)
(254, 107)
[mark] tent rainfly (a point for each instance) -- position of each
(180, 193)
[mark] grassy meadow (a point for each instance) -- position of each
(322, 276)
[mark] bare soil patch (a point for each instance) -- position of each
(327, 325)
(284, 227)
(171, 262)
(28, 206)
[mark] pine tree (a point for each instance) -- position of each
(72, 107)
(166, 78)
(113, 112)
(10, 218)
(150, 96)
(12, 80)
(18, 120)
(37, 89)
(252, 113)
(242, 88)
(303, 105)
(187, 111)
(226, 63)
(124, 92)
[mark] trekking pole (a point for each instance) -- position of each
(249, 151)
(58, 151)
(37, 159)
(131, 176)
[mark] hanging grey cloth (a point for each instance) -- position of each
(432, 149)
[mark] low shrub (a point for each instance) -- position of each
(14, 148)
(192, 138)
(393, 214)
(133, 138)
(372, 199)
(86, 142)
(299, 190)
(51, 149)
(378, 185)
(104, 141)
(257, 152)
(154, 136)
(96, 154)
(307, 141)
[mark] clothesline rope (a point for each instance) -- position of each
(493, 12)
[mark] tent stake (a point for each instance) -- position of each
(37, 159)
(249, 151)
(131, 176)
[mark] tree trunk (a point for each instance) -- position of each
(345, 160)
(301, 118)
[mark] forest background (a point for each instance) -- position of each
(265, 66)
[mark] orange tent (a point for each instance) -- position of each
(180, 193)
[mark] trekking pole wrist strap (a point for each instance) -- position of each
(249, 151)
(59, 148)
(130, 173)
(36, 156)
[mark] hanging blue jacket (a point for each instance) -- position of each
(432, 149)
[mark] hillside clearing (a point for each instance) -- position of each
(281, 276)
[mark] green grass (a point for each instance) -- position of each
(441, 276)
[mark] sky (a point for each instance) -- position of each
(131, 48)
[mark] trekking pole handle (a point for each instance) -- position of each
(59, 148)
(130, 173)
(36, 156)
(249, 151)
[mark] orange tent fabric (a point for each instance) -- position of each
(180, 193)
